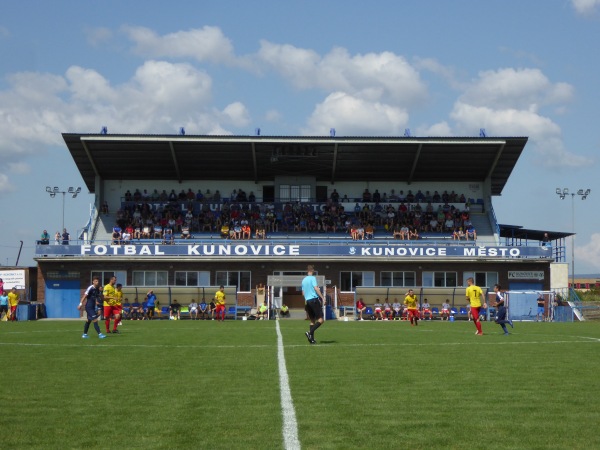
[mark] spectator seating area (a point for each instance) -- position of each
(172, 218)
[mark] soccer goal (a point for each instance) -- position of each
(523, 305)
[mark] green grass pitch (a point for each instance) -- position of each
(204, 384)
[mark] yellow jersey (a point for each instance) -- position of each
(411, 301)
(473, 294)
(220, 298)
(13, 299)
(118, 298)
(109, 295)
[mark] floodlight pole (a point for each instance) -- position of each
(53, 191)
(583, 194)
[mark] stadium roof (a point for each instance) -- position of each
(518, 232)
(263, 158)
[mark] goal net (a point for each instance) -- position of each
(523, 305)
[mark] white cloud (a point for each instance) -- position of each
(441, 129)
(585, 7)
(590, 253)
(506, 102)
(18, 168)
(273, 115)
(237, 114)
(516, 88)
(5, 184)
(204, 44)
(353, 116)
(372, 76)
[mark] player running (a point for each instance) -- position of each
(411, 306)
(474, 297)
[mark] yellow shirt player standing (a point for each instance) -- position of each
(109, 294)
(474, 296)
(220, 303)
(119, 302)
(411, 305)
(13, 301)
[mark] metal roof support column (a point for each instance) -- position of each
(415, 162)
(334, 164)
(175, 163)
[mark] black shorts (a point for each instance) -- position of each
(501, 313)
(314, 308)
(3, 308)
(92, 314)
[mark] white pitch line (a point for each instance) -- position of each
(290, 425)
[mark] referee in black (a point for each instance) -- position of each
(313, 303)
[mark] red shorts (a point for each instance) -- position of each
(220, 308)
(475, 312)
(109, 311)
(413, 313)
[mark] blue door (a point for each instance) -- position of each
(62, 298)
(520, 286)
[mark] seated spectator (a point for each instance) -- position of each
(445, 311)
(360, 309)
(116, 236)
(434, 225)
(246, 231)
(426, 310)
(397, 231)
(193, 309)
(387, 311)
(212, 309)
(203, 309)
(369, 231)
(413, 234)
(185, 232)
(45, 238)
(378, 310)
(449, 224)
(225, 232)
(261, 232)
(360, 232)
(404, 232)
(262, 311)
(470, 233)
(137, 232)
(126, 236)
(168, 237)
(175, 310)
(126, 311)
(397, 309)
(158, 231)
(458, 234)
(136, 310)
(284, 311)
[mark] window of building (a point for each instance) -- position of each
(192, 278)
(399, 279)
(482, 279)
(350, 280)
(294, 193)
(439, 279)
(240, 279)
(151, 278)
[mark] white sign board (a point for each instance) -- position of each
(13, 278)
(526, 275)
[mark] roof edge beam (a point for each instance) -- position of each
(89, 155)
(496, 159)
(415, 162)
(334, 164)
(254, 164)
(175, 162)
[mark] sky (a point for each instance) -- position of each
(436, 67)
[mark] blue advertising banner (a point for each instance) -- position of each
(274, 250)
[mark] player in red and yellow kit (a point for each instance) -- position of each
(474, 297)
(411, 306)
(119, 303)
(13, 302)
(109, 295)
(220, 303)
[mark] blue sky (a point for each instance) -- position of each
(440, 68)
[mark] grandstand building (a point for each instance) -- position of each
(318, 191)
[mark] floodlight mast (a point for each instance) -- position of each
(583, 194)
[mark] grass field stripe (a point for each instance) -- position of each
(290, 425)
